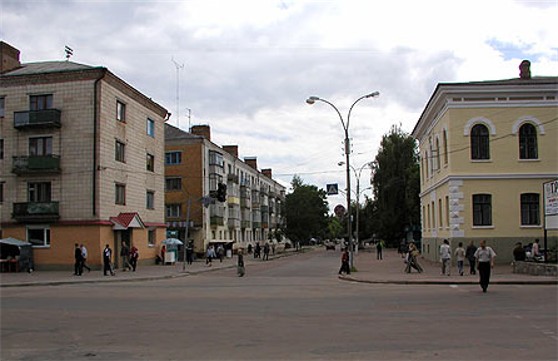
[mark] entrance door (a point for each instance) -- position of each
(119, 237)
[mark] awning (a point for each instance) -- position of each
(221, 241)
(14, 242)
(126, 220)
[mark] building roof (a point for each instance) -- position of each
(47, 67)
(174, 133)
(127, 220)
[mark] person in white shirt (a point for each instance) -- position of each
(460, 257)
(445, 255)
(84, 257)
(485, 262)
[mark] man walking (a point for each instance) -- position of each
(125, 255)
(84, 257)
(470, 255)
(78, 265)
(485, 262)
(445, 255)
(107, 259)
(266, 252)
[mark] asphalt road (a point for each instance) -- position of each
(292, 308)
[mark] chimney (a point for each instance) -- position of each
(202, 130)
(267, 173)
(231, 149)
(525, 69)
(9, 57)
(252, 162)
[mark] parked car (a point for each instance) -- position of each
(329, 245)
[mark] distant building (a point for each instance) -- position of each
(486, 149)
(81, 159)
(196, 169)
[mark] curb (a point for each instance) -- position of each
(440, 282)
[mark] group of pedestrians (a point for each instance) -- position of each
(80, 256)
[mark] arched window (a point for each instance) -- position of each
(480, 146)
(528, 142)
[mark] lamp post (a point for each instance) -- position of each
(357, 193)
(313, 99)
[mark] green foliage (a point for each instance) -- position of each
(396, 182)
(334, 227)
(306, 212)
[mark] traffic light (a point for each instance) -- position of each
(222, 192)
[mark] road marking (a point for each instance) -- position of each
(454, 286)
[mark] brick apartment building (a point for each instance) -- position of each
(81, 159)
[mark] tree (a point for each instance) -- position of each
(306, 212)
(396, 183)
(334, 227)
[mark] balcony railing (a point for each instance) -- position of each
(36, 211)
(47, 118)
(216, 221)
(36, 164)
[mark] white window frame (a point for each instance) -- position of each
(46, 235)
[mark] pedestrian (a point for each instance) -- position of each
(84, 257)
(107, 259)
(210, 254)
(240, 270)
(470, 255)
(190, 253)
(345, 267)
(134, 256)
(519, 252)
(266, 252)
(460, 257)
(163, 252)
(78, 261)
(220, 252)
(412, 258)
(257, 250)
(273, 248)
(125, 255)
(445, 256)
(484, 256)
(379, 248)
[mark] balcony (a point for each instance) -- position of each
(216, 221)
(32, 119)
(36, 212)
(44, 164)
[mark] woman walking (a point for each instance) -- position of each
(485, 262)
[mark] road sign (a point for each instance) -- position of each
(339, 210)
(332, 189)
(551, 204)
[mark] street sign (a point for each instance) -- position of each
(332, 189)
(551, 204)
(339, 210)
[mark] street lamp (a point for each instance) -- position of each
(357, 193)
(313, 99)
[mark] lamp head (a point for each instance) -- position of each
(311, 100)
(374, 94)
(341, 163)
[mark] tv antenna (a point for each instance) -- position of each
(178, 68)
(69, 52)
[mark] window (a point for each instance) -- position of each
(1, 148)
(437, 154)
(445, 145)
(528, 142)
(173, 158)
(120, 193)
(2, 107)
(530, 209)
(216, 159)
(1, 192)
(172, 210)
(173, 184)
(440, 213)
(38, 192)
(151, 238)
(38, 236)
(120, 152)
(150, 162)
(120, 111)
(447, 212)
(150, 200)
(40, 102)
(40, 146)
(150, 127)
(482, 210)
(480, 147)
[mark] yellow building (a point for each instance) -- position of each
(196, 168)
(486, 149)
(81, 161)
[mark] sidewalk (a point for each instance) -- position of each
(143, 273)
(391, 270)
(370, 270)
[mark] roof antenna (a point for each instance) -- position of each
(69, 52)
(178, 67)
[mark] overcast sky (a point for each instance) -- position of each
(249, 65)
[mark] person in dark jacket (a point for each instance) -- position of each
(78, 265)
(470, 255)
(107, 259)
(345, 267)
(519, 252)
(240, 270)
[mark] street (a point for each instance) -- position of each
(292, 308)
